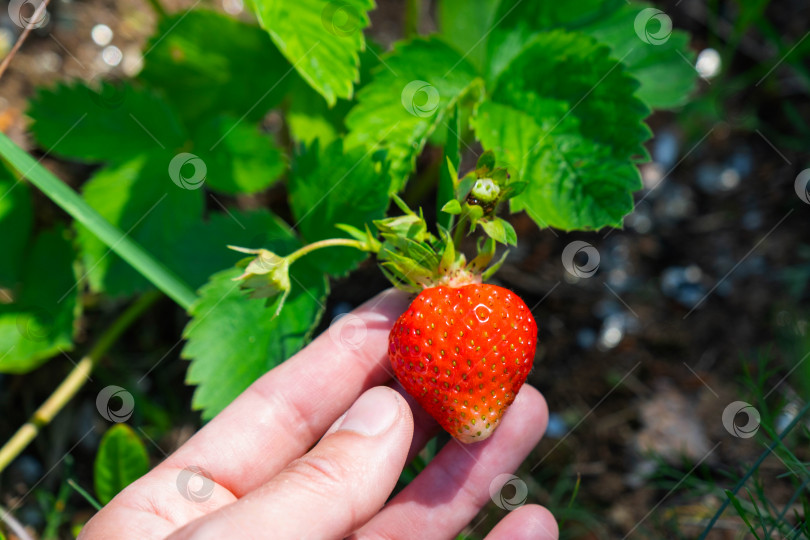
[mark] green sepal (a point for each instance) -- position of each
(485, 165)
(475, 212)
(500, 176)
(449, 254)
(465, 185)
(409, 248)
(495, 267)
(513, 189)
(500, 230)
(409, 224)
(399, 280)
(486, 251)
(452, 207)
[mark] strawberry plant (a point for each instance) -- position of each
(289, 138)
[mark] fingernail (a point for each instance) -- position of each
(372, 413)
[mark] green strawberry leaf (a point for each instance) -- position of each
(111, 124)
(573, 182)
(238, 158)
(233, 340)
(140, 198)
(574, 68)
(658, 57)
(661, 60)
(512, 135)
(38, 323)
(329, 187)
(15, 225)
(208, 64)
(465, 25)
(204, 250)
(310, 117)
(408, 99)
(585, 187)
(320, 38)
(121, 460)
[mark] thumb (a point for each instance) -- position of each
(332, 490)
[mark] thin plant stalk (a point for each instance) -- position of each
(69, 201)
(74, 381)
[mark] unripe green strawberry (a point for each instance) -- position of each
(463, 353)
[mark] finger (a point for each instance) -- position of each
(156, 505)
(424, 426)
(530, 522)
(284, 413)
(331, 490)
(456, 484)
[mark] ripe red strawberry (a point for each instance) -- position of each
(463, 353)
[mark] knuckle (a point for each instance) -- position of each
(319, 472)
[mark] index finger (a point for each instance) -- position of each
(281, 415)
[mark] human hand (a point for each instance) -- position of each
(256, 476)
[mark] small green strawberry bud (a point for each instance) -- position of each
(266, 275)
(485, 190)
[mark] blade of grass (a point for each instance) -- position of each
(781, 517)
(741, 511)
(572, 499)
(70, 201)
(753, 468)
(83, 492)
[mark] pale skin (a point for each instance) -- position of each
(269, 481)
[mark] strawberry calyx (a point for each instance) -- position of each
(409, 254)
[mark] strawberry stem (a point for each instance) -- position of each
(331, 242)
(460, 231)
